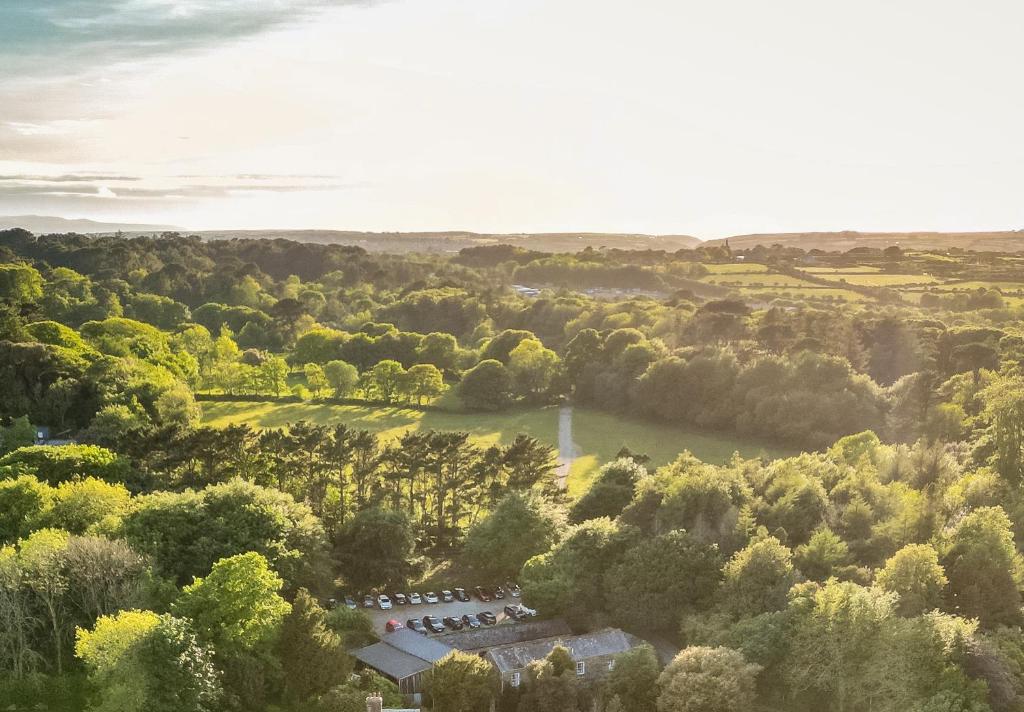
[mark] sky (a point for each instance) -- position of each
(647, 116)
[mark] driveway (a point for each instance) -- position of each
(455, 609)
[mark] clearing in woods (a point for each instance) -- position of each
(595, 436)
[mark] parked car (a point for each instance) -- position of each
(433, 624)
(483, 594)
(499, 592)
(452, 622)
(351, 602)
(383, 602)
(392, 625)
(414, 599)
(447, 596)
(430, 597)
(487, 618)
(471, 620)
(414, 624)
(400, 599)
(519, 612)
(515, 612)
(513, 588)
(460, 593)
(367, 601)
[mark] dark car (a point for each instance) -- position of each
(414, 624)
(499, 592)
(368, 601)
(392, 625)
(446, 596)
(452, 622)
(515, 612)
(433, 624)
(460, 593)
(513, 589)
(487, 618)
(400, 599)
(483, 594)
(471, 620)
(351, 602)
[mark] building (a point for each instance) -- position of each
(593, 653)
(375, 703)
(403, 657)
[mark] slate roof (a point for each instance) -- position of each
(402, 654)
(494, 636)
(610, 641)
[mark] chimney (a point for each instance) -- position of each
(374, 703)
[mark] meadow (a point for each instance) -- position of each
(598, 436)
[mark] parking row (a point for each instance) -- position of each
(386, 602)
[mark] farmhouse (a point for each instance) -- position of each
(593, 653)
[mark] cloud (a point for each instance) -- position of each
(119, 30)
(155, 188)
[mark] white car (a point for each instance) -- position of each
(383, 602)
(430, 597)
(414, 599)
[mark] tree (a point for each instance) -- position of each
(702, 679)
(1004, 412)
(823, 553)
(551, 684)
(237, 606)
(518, 528)
(635, 678)
(984, 569)
(462, 682)
(534, 368)
(486, 386)
(423, 380)
(610, 491)
(273, 374)
(758, 578)
(385, 380)
(19, 433)
(316, 379)
(660, 578)
(23, 502)
(139, 661)
(57, 463)
(312, 656)
(342, 377)
(80, 504)
(375, 547)
(41, 559)
(915, 575)
(439, 349)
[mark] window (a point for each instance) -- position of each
(581, 668)
(515, 679)
(611, 665)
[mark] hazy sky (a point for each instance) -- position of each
(664, 116)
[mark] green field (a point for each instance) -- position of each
(880, 280)
(737, 268)
(757, 280)
(598, 436)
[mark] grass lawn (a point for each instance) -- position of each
(598, 435)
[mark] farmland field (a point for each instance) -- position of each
(737, 268)
(760, 279)
(598, 436)
(880, 280)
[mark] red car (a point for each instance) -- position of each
(392, 625)
(483, 594)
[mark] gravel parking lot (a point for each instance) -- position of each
(455, 609)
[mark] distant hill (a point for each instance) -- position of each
(1005, 241)
(45, 224)
(456, 240)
